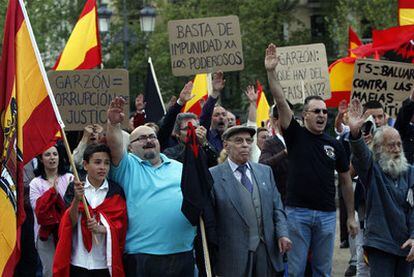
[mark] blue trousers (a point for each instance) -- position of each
(315, 231)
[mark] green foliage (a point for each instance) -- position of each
(52, 22)
(261, 22)
(362, 15)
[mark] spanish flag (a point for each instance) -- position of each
(200, 91)
(29, 123)
(341, 73)
(83, 49)
(262, 106)
(405, 12)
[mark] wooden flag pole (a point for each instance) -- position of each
(205, 248)
(75, 172)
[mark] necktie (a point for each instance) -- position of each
(244, 179)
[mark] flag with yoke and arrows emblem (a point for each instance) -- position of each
(29, 119)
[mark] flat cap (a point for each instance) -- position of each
(236, 130)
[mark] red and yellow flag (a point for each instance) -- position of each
(341, 73)
(405, 12)
(83, 49)
(200, 92)
(353, 42)
(262, 106)
(29, 123)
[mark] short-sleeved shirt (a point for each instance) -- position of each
(156, 224)
(312, 162)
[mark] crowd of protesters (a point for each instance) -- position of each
(273, 193)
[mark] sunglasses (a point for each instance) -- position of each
(318, 111)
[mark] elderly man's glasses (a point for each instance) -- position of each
(144, 138)
(239, 140)
(318, 111)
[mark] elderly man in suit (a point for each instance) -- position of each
(251, 222)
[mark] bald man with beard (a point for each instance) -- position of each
(159, 240)
(388, 180)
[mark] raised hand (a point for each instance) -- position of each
(342, 107)
(115, 112)
(271, 59)
(251, 94)
(185, 94)
(218, 83)
(355, 117)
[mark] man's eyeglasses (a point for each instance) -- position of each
(240, 140)
(144, 138)
(318, 111)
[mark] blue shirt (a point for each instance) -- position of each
(156, 224)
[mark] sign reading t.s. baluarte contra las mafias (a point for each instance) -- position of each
(387, 82)
(83, 96)
(205, 45)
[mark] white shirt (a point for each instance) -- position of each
(237, 173)
(97, 258)
(282, 139)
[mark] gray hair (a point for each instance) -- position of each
(378, 140)
(180, 118)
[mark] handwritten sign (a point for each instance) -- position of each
(205, 45)
(303, 71)
(387, 82)
(83, 96)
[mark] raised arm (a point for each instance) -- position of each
(362, 157)
(167, 121)
(271, 61)
(113, 130)
(251, 95)
(339, 119)
(208, 107)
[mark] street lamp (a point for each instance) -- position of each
(104, 15)
(147, 19)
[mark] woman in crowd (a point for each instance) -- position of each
(46, 198)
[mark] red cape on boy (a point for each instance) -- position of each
(113, 209)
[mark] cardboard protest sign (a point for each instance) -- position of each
(205, 45)
(388, 82)
(83, 96)
(303, 71)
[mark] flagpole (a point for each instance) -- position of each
(207, 263)
(41, 65)
(75, 172)
(52, 101)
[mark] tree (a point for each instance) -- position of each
(362, 15)
(52, 22)
(261, 23)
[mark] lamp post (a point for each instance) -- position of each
(104, 16)
(147, 19)
(147, 22)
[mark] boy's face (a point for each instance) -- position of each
(97, 167)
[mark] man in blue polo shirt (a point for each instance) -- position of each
(159, 239)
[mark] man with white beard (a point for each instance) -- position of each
(389, 182)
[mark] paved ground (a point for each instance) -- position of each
(341, 256)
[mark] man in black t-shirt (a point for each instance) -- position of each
(313, 158)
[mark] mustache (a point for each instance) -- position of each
(149, 145)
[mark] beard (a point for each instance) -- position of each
(149, 155)
(391, 165)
